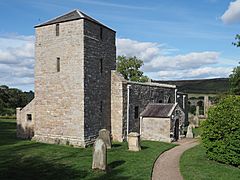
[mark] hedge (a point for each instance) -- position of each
(221, 131)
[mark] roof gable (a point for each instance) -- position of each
(71, 16)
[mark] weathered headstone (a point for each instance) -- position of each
(99, 155)
(195, 121)
(189, 132)
(104, 134)
(134, 141)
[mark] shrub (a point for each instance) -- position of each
(221, 131)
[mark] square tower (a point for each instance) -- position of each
(74, 57)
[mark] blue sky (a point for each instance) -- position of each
(176, 39)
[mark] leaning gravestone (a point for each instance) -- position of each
(104, 134)
(189, 132)
(99, 155)
(134, 141)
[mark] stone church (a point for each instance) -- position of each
(78, 92)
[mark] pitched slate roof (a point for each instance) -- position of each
(71, 16)
(158, 110)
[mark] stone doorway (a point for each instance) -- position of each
(176, 130)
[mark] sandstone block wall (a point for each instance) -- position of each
(25, 127)
(140, 95)
(59, 96)
(118, 83)
(99, 60)
(155, 129)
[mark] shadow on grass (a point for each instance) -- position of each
(114, 173)
(144, 147)
(115, 164)
(116, 145)
(37, 168)
(8, 133)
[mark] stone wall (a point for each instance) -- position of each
(25, 125)
(99, 60)
(155, 129)
(182, 100)
(140, 95)
(118, 84)
(59, 96)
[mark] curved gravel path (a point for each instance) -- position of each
(166, 166)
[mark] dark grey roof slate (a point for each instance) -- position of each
(71, 16)
(157, 110)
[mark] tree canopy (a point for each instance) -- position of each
(237, 38)
(234, 79)
(11, 98)
(221, 131)
(129, 67)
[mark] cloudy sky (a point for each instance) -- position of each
(176, 39)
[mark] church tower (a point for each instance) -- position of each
(74, 57)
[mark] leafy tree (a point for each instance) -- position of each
(237, 38)
(235, 76)
(130, 68)
(221, 131)
(234, 79)
(11, 98)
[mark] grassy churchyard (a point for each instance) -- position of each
(194, 165)
(23, 159)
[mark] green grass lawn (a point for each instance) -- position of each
(194, 165)
(22, 159)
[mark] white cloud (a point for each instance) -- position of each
(17, 60)
(199, 73)
(232, 14)
(161, 65)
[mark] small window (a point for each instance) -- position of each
(58, 64)
(101, 106)
(101, 66)
(29, 117)
(160, 101)
(101, 33)
(57, 29)
(136, 112)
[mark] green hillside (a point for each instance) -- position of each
(203, 86)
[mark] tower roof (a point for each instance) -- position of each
(71, 16)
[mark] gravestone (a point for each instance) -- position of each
(99, 155)
(104, 134)
(134, 141)
(189, 132)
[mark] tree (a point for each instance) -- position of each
(237, 38)
(234, 79)
(130, 68)
(221, 131)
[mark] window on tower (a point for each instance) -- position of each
(136, 112)
(101, 33)
(101, 65)
(57, 29)
(58, 64)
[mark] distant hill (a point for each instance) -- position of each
(201, 86)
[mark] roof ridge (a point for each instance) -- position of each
(72, 15)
